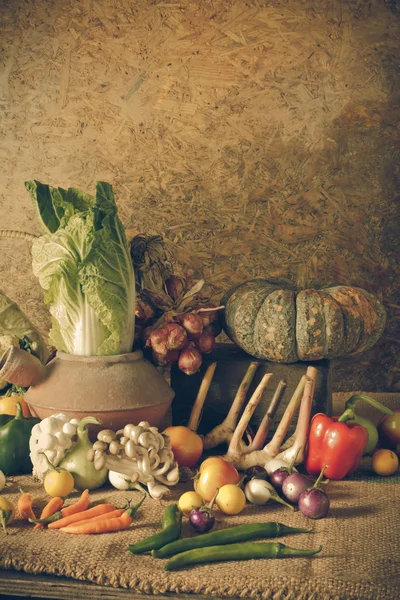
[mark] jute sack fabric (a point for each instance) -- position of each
(359, 560)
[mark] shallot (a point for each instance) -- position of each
(206, 342)
(193, 324)
(190, 360)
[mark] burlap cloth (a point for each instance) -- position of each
(360, 557)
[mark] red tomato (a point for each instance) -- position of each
(186, 445)
(215, 476)
(389, 430)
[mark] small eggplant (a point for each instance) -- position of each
(259, 491)
(294, 485)
(314, 503)
(202, 519)
(279, 475)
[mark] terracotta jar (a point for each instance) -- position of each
(120, 389)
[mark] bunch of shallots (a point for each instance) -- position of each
(178, 337)
(174, 320)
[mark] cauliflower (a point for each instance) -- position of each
(51, 437)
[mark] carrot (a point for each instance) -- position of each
(114, 513)
(52, 507)
(81, 504)
(100, 509)
(25, 505)
(107, 524)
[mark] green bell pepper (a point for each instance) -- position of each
(350, 415)
(14, 443)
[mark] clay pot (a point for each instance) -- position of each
(118, 390)
(21, 368)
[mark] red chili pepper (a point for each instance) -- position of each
(336, 444)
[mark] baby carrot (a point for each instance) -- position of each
(25, 506)
(114, 513)
(81, 504)
(105, 525)
(52, 507)
(100, 509)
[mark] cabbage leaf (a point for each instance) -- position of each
(84, 267)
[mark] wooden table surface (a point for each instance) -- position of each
(23, 585)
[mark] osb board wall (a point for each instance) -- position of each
(258, 138)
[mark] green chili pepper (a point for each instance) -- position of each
(14, 443)
(171, 530)
(228, 536)
(245, 551)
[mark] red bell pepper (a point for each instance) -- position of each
(335, 444)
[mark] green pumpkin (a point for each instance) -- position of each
(282, 325)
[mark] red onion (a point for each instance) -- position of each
(190, 360)
(175, 285)
(143, 311)
(205, 342)
(145, 336)
(192, 323)
(163, 360)
(208, 316)
(158, 340)
(168, 337)
(215, 327)
(176, 336)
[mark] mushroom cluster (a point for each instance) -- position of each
(134, 455)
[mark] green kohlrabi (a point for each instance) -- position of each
(84, 267)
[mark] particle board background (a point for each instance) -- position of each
(259, 138)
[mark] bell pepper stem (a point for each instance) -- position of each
(350, 404)
(348, 415)
(18, 414)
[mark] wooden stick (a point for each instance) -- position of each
(197, 408)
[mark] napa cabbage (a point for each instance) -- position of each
(84, 267)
